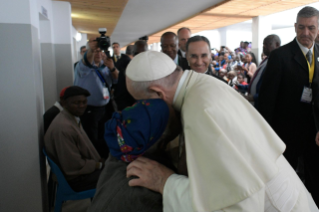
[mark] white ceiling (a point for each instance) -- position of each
(145, 17)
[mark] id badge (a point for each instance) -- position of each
(106, 94)
(306, 95)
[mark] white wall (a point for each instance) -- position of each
(225, 37)
(21, 179)
(19, 15)
(286, 34)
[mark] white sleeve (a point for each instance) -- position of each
(177, 194)
(177, 197)
(255, 203)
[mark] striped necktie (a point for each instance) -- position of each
(309, 57)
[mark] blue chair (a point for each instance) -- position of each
(64, 191)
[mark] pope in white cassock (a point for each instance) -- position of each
(234, 158)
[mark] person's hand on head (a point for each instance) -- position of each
(151, 174)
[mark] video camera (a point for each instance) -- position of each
(104, 42)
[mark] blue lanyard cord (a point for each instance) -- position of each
(96, 71)
(99, 75)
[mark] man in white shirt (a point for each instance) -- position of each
(229, 169)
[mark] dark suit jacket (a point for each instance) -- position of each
(116, 63)
(75, 64)
(279, 103)
(122, 97)
(182, 62)
(180, 53)
(49, 115)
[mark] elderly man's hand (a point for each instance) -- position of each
(317, 138)
(151, 174)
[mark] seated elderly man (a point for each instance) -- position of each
(68, 145)
(229, 168)
(143, 129)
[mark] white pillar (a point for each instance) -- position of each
(48, 63)
(223, 37)
(62, 29)
(261, 28)
(21, 108)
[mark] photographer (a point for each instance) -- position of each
(96, 73)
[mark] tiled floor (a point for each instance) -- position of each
(75, 206)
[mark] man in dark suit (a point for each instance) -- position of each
(122, 97)
(169, 44)
(183, 34)
(116, 53)
(288, 97)
(199, 56)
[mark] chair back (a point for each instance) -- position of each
(60, 177)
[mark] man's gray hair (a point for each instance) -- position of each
(142, 87)
(308, 12)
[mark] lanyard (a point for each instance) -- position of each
(100, 76)
(96, 71)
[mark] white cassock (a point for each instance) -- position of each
(234, 158)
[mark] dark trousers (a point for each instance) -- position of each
(93, 121)
(306, 165)
(311, 164)
(85, 182)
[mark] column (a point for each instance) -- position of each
(48, 63)
(21, 108)
(261, 28)
(223, 37)
(62, 31)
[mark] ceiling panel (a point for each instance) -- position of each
(89, 15)
(232, 12)
(127, 20)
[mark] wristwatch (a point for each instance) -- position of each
(113, 69)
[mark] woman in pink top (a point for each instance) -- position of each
(249, 68)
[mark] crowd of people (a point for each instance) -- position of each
(193, 128)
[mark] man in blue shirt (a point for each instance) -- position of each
(96, 73)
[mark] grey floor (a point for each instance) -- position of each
(75, 206)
